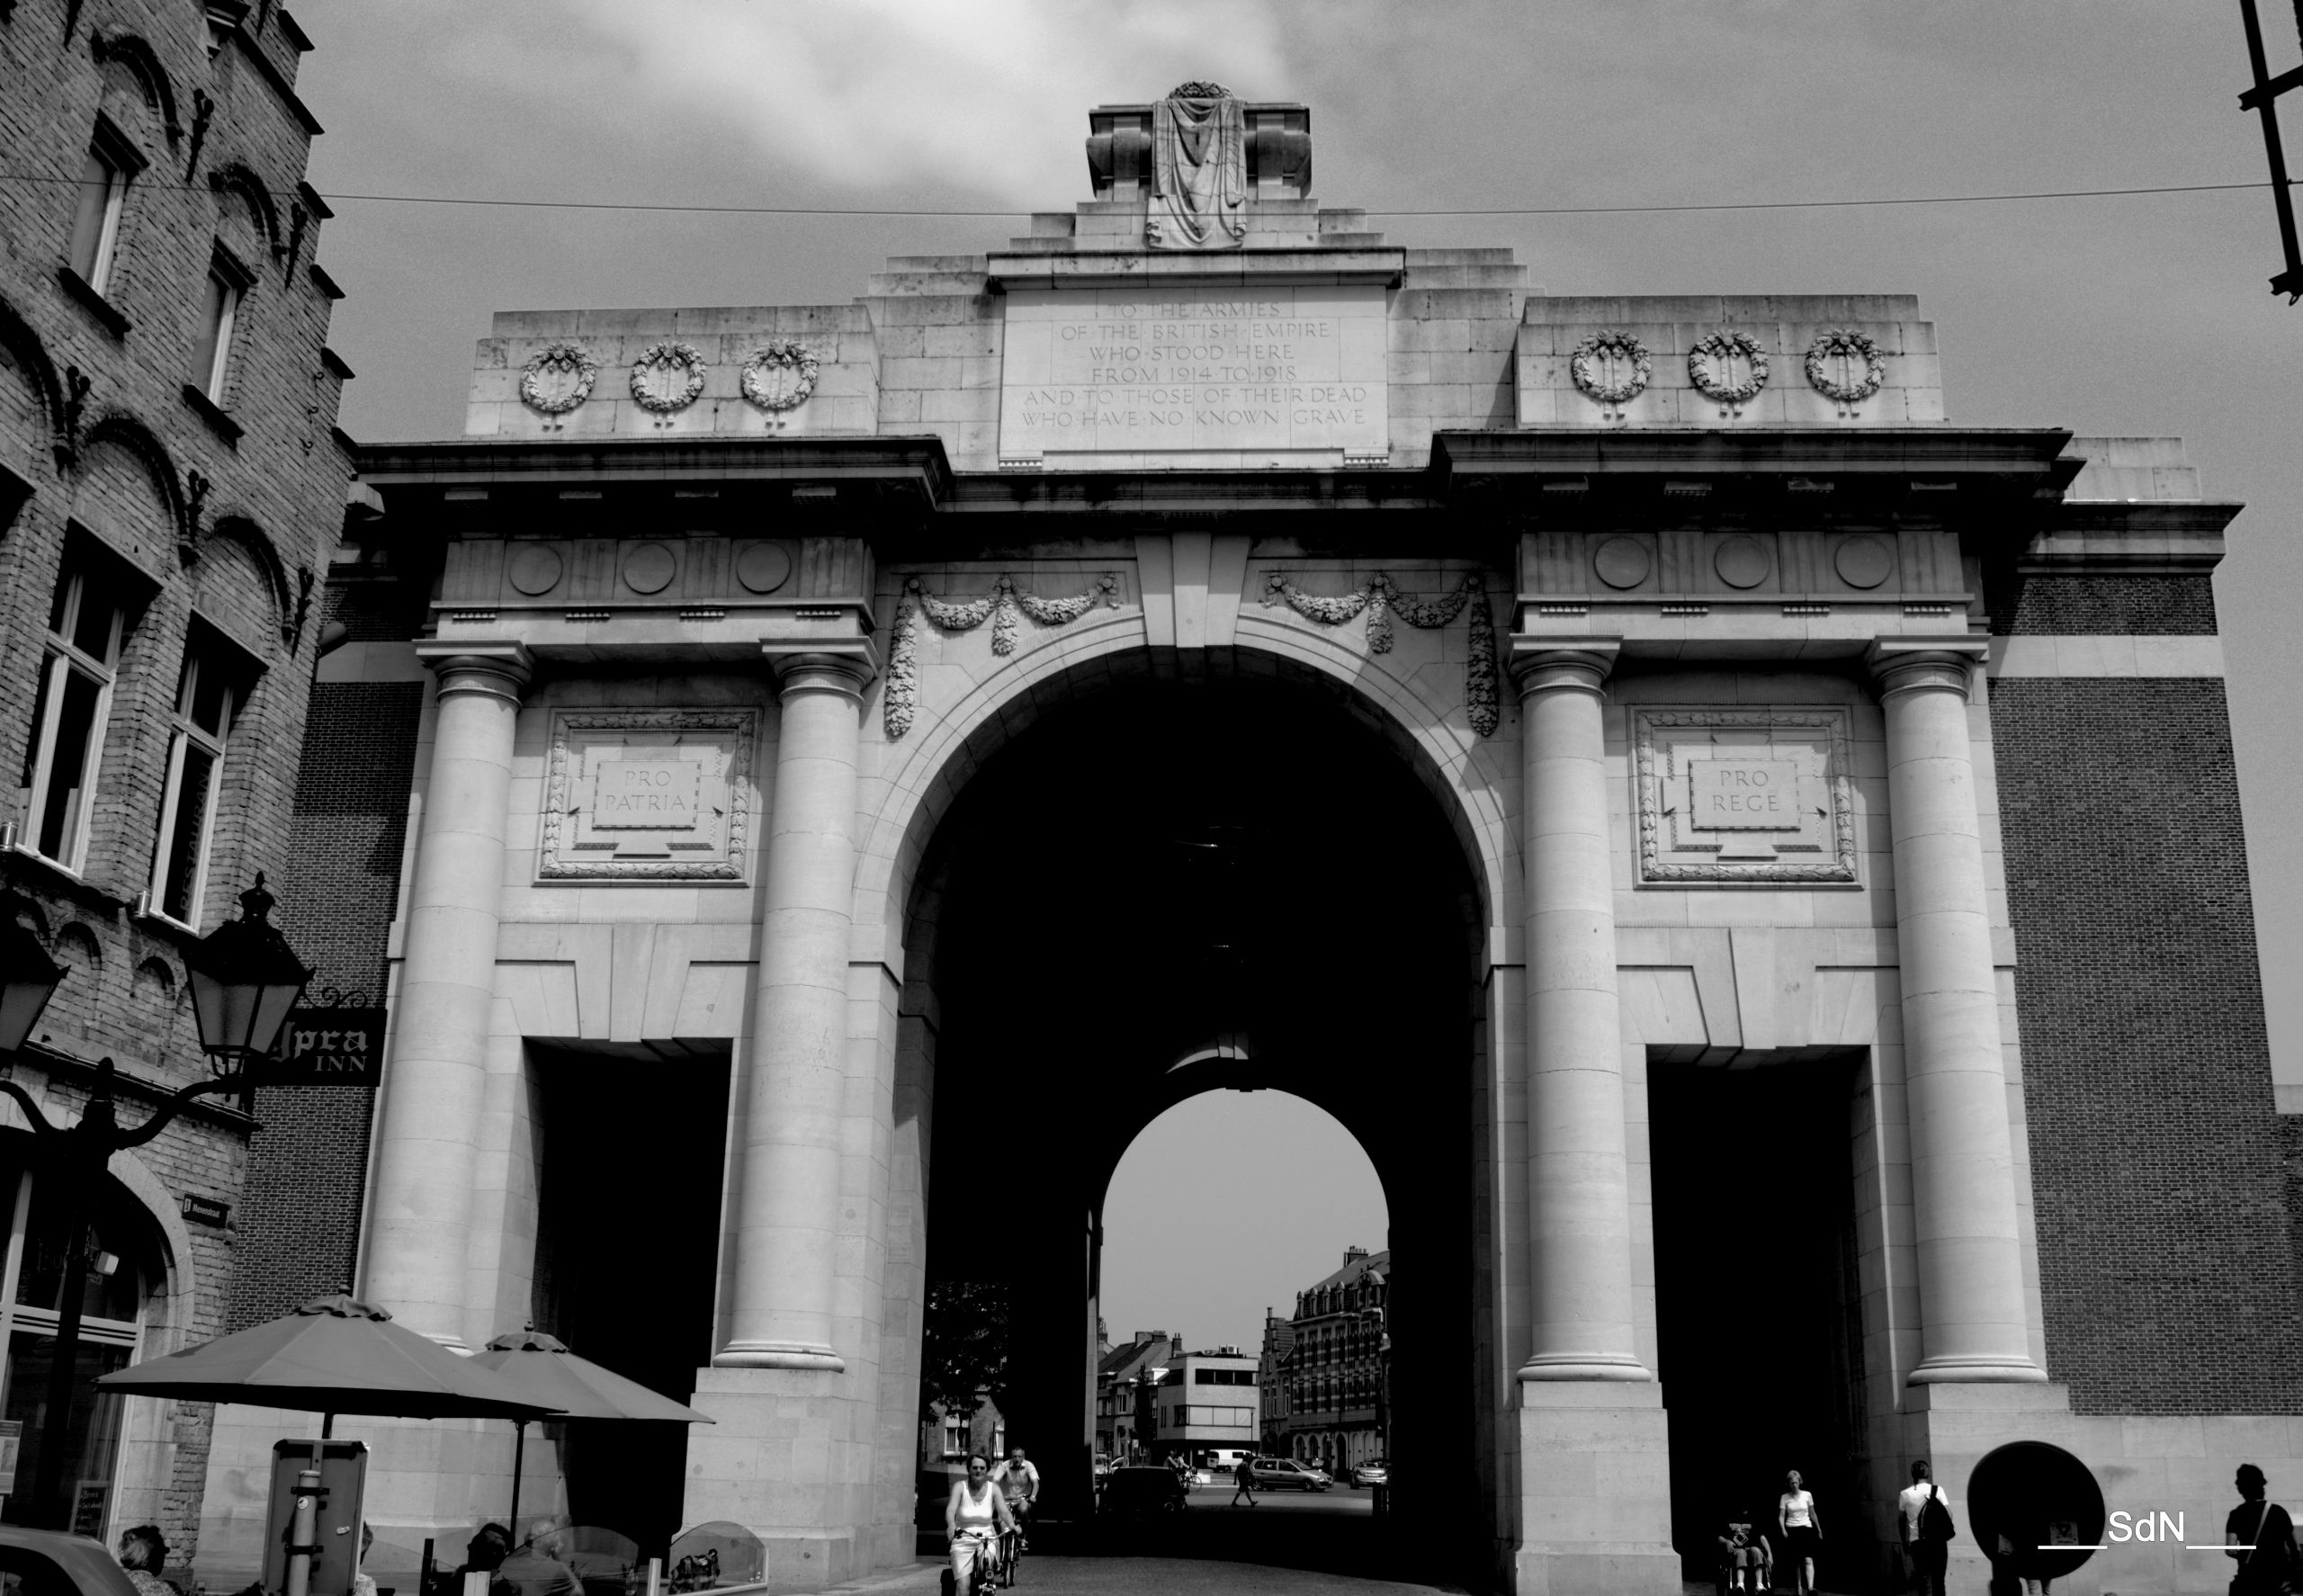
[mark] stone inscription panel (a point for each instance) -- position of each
(1755, 797)
(1283, 374)
(1743, 795)
(647, 795)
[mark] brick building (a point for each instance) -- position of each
(171, 484)
(1335, 1366)
(1274, 1370)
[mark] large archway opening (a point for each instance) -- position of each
(1167, 888)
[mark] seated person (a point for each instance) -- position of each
(1744, 1561)
(536, 1569)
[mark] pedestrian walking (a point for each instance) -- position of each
(2262, 1537)
(1243, 1483)
(1802, 1531)
(1924, 1523)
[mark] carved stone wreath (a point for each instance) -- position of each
(678, 366)
(1714, 354)
(1381, 599)
(558, 379)
(1850, 346)
(780, 376)
(1585, 366)
(900, 698)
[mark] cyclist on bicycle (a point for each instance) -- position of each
(1019, 1482)
(973, 1519)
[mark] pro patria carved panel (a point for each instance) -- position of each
(1271, 372)
(647, 796)
(1754, 796)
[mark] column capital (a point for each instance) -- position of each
(1920, 663)
(502, 669)
(813, 668)
(1544, 664)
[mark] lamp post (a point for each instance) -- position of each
(243, 978)
(1376, 1320)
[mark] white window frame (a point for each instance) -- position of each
(96, 269)
(227, 312)
(186, 734)
(60, 660)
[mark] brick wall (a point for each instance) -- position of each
(2165, 1260)
(306, 1171)
(228, 512)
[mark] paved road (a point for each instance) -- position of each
(1342, 1501)
(1152, 1576)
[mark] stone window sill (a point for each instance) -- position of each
(208, 410)
(93, 303)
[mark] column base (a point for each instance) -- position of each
(777, 1355)
(1595, 1492)
(1585, 1366)
(1971, 1371)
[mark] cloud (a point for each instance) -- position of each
(985, 95)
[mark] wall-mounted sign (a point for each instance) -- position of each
(207, 1211)
(328, 1047)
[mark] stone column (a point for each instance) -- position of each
(788, 1216)
(426, 1139)
(1579, 1199)
(1972, 1325)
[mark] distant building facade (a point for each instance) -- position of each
(1209, 1400)
(1336, 1367)
(170, 487)
(1274, 1370)
(1119, 1382)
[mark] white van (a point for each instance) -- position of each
(1224, 1459)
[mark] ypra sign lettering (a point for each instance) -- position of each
(328, 1047)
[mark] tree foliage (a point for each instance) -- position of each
(963, 1347)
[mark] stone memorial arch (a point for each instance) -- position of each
(1713, 828)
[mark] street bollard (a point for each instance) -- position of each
(303, 1534)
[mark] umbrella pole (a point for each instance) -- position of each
(519, 1456)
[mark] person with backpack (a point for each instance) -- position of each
(2262, 1538)
(1923, 1522)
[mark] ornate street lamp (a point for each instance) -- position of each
(243, 980)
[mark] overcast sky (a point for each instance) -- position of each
(2136, 315)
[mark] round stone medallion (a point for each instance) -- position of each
(533, 568)
(1740, 562)
(1622, 562)
(763, 567)
(649, 569)
(1863, 561)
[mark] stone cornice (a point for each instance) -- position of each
(1533, 458)
(916, 466)
(2130, 537)
(1147, 271)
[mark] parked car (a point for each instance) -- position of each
(1285, 1474)
(1143, 1488)
(1371, 1472)
(56, 1564)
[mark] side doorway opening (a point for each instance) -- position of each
(1759, 1304)
(630, 1143)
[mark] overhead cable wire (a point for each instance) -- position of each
(1497, 210)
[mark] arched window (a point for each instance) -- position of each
(126, 1273)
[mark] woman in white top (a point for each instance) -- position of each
(1803, 1531)
(973, 1519)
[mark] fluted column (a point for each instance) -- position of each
(788, 1218)
(426, 1142)
(1579, 1194)
(1973, 1326)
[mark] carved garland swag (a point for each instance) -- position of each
(1381, 599)
(1001, 607)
